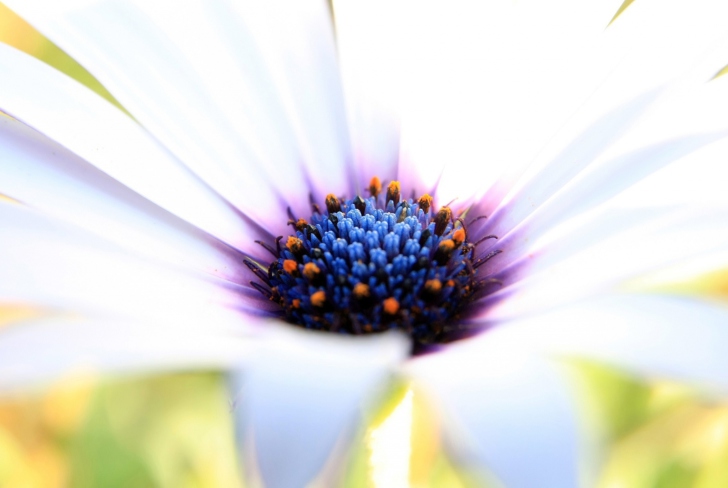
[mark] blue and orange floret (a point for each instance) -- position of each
(366, 265)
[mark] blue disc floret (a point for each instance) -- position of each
(370, 264)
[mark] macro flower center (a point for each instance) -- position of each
(367, 265)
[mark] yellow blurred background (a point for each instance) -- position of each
(176, 430)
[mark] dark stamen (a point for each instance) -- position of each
(262, 289)
(393, 193)
(269, 248)
(477, 264)
(360, 204)
(257, 271)
(483, 239)
(479, 217)
(332, 203)
(443, 217)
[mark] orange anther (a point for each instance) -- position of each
(393, 192)
(390, 305)
(433, 286)
(375, 186)
(361, 290)
(296, 303)
(425, 202)
(318, 298)
(295, 245)
(459, 236)
(443, 217)
(290, 266)
(300, 224)
(332, 203)
(310, 271)
(444, 251)
(446, 246)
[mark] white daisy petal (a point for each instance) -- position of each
(658, 337)
(598, 186)
(573, 159)
(296, 40)
(303, 391)
(701, 109)
(602, 251)
(505, 410)
(482, 96)
(217, 136)
(44, 175)
(36, 352)
(609, 179)
(508, 402)
(85, 124)
(51, 264)
(516, 114)
(371, 73)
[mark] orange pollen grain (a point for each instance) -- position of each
(393, 192)
(444, 214)
(296, 303)
(310, 271)
(375, 186)
(391, 305)
(458, 236)
(294, 244)
(301, 224)
(447, 245)
(425, 202)
(332, 203)
(361, 290)
(318, 298)
(433, 286)
(290, 266)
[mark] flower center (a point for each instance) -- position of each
(366, 265)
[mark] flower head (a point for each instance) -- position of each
(367, 265)
(153, 242)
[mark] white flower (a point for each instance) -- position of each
(131, 237)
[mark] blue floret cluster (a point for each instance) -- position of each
(364, 265)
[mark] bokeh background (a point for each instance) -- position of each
(176, 430)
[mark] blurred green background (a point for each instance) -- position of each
(176, 430)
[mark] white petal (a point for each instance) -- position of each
(39, 351)
(303, 391)
(602, 251)
(50, 264)
(209, 81)
(498, 116)
(93, 129)
(580, 152)
(508, 403)
(44, 175)
(505, 410)
(602, 183)
(658, 337)
(371, 68)
(693, 174)
(489, 83)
